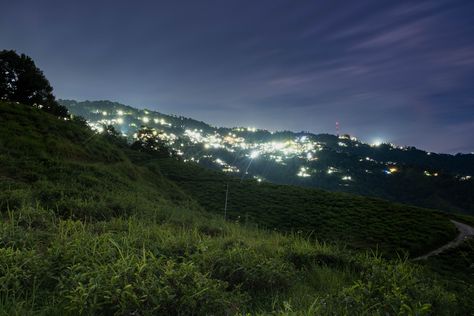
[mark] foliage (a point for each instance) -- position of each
(359, 221)
(149, 141)
(22, 81)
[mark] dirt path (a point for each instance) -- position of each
(465, 231)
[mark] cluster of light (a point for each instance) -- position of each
(231, 169)
(348, 137)
(161, 121)
(194, 136)
(96, 126)
(220, 162)
(302, 147)
(169, 138)
(209, 141)
(225, 167)
(391, 170)
(191, 159)
(254, 154)
(310, 157)
(377, 143)
(278, 151)
(303, 172)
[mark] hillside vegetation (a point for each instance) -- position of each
(90, 226)
(358, 221)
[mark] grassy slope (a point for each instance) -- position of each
(62, 165)
(84, 230)
(360, 221)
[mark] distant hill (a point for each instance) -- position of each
(337, 163)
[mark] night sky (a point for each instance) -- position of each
(399, 71)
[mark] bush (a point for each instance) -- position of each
(399, 288)
(145, 285)
(21, 273)
(247, 268)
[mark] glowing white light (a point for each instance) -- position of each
(377, 142)
(120, 120)
(254, 154)
(145, 119)
(104, 113)
(347, 178)
(119, 112)
(220, 162)
(303, 172)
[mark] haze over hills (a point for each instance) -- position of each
(333, 162)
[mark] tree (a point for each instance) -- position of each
(149, 140)
(21, 81)
(113, 135)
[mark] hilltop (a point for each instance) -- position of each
(91, 226)
(332, 162)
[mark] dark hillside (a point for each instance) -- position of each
(360, 221)
(63, 165)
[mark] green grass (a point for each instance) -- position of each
(206, 266)
(89, 227)
(361, 222)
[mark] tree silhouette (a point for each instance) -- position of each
(22, 81)
(148, 140)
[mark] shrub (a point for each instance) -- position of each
(21, 273)
(145, 285)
